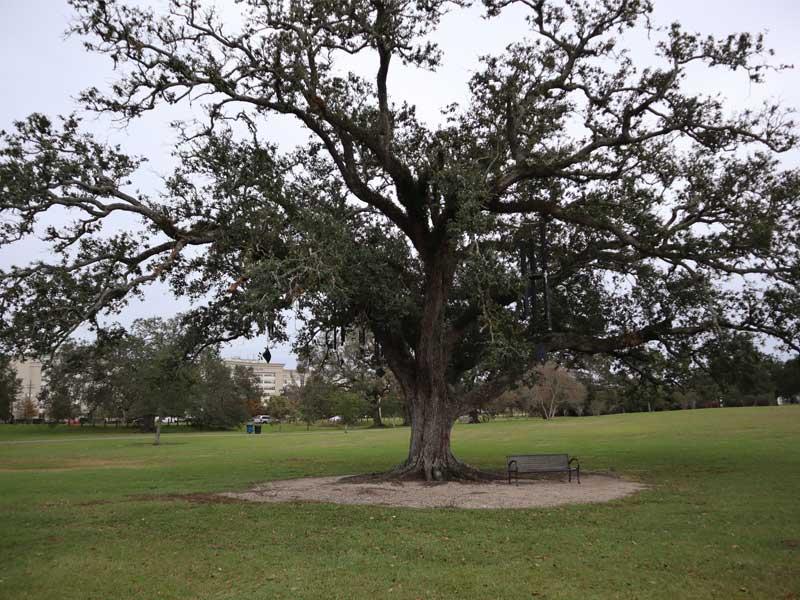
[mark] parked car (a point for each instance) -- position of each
(260, 419)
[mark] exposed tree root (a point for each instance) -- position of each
(455, 470)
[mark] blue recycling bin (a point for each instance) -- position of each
(249, 428)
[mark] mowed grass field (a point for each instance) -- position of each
(90, 515)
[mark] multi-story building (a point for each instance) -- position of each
(30, 374)
(271, 378)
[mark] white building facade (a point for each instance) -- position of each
(33, 380)
(272, 378)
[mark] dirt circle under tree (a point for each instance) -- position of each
(418, 494)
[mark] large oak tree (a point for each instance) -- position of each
(577, 202)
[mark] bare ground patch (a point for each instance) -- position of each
(417, 494)
(194, 498)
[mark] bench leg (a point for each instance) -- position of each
(569, 472)
(578, 473)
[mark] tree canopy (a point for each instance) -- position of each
(579, 201)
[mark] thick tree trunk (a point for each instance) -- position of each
(157, 441)
(432, 414)
(429, 453)
(423, 379)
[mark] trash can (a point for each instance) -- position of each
(249, 428)
(258, 428)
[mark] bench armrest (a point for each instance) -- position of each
(574, 459)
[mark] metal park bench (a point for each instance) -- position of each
(542, 463)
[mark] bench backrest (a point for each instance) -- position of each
(540, 462)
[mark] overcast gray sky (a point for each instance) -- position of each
(42, 71)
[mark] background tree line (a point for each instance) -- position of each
(9, 388)
(141, 376)
(728, 371)
(346, 378)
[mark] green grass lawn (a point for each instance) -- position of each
(37, 432)
(85, 516)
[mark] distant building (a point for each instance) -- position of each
(29, 372)
(271, 378)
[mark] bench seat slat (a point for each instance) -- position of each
(540, 463)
